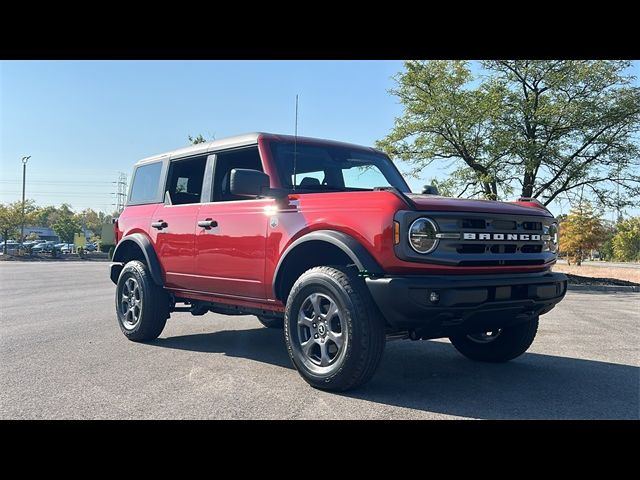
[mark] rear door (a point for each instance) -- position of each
(230, 252)
(173, 224)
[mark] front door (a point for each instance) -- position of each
(174, 223)
(230, 237)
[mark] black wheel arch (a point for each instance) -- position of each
(349, 247)
(136, 246)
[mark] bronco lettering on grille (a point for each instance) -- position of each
(507, 237)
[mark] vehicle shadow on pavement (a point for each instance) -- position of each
(264, 345)
(432, 376)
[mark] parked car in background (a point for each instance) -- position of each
(64, 247)
(32, 243)
(12, 246)
(43, 247)
(90, 247)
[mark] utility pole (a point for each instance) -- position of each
(121, 193)
(24, 179)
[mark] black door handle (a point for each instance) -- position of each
(160, 224)
(207, 224)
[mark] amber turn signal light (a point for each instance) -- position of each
(396, 233)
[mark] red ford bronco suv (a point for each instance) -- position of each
(326, 240)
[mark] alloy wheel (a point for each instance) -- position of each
(321, 330)
(130, 303)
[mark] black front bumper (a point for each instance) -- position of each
(466, 303)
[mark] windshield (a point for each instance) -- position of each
(329, 168)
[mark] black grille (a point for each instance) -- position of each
(531, 248)
(471, 248)
(500, 248)
(504, 225)
(532, 225)
(495, 263)
(475, 223)
(493, 225)
(491, 240)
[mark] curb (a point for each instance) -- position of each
(605, 288)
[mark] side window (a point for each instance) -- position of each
(307, 179)
(365, 176)
(145, 184)
(227, 161)
(184, 182)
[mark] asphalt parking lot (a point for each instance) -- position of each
(62, 356)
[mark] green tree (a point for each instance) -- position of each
(606, 249)
(537, 128)
(11, 219)
(66, 225)
(46, 216)
(197, 139)
(581, 231)
(626, 241)
(92, 220)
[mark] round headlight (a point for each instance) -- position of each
(422, 235)
(551, 245)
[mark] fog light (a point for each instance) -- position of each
(434, 297)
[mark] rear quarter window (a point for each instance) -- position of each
(146, 184)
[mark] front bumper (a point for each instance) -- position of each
(467, 303)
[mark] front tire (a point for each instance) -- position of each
(498, 346)
(142, 306)
(334, 334)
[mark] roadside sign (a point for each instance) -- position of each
(79, 240)
(107, 234)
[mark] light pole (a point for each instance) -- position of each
(24, 178)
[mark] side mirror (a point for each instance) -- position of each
(248, 183)
(430, 190)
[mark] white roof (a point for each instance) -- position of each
(228, 142)
(239, 141)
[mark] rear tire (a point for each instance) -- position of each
(504, 345)
(335, 335)
(142, 306)
(271, 322)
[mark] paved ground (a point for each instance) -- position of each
(63, 356)
(633, 265)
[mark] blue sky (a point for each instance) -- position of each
(84, 121)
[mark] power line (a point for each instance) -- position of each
(61, 193)
(121, 194)
(61, 182)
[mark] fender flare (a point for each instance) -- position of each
(142, 242)
(359, 255)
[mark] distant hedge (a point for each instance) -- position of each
(105, 247)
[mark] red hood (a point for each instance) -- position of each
(431, 202)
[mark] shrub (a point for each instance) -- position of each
(106, 247)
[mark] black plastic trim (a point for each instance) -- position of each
(149, 253)
(464, 300)
(349, 245)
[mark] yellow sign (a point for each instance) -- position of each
(79, 240)
(108, 236)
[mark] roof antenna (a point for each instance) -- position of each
(295, 146)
